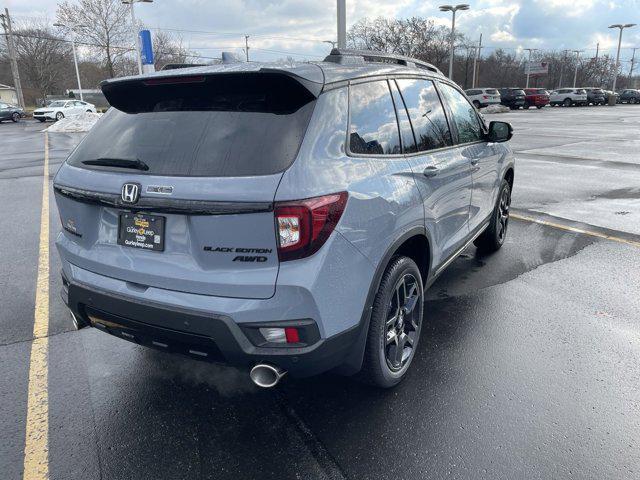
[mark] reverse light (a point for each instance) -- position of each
(305, 225)
(281, 335)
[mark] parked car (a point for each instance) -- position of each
(514, 98)
(629, 96)
(568, 97)
(59, 109)
(483, 97)
(536, 97)
(10, 112)
(279, 224)
(595, 96)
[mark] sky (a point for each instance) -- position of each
(297, 28)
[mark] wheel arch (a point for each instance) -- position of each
(416, 244)
(509, 176)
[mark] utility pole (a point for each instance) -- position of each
(575, 75)
(633, 61)
(597, 50)
(342, 23)
(612, 98)
(6, 24)
(562, 67)
(246, 46)
(530, 50)
(476, 66)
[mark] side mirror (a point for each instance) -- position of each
(499, 132)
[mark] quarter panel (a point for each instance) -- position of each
(384, 201)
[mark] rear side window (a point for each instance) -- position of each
(491, 91)
(373, 126)
(426, 112)
(474, 92)
(463, 113)
(219, 126)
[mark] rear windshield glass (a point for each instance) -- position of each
(218, 126)
(492, 91)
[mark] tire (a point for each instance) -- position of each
(539, 107)
(476, 104)
(15, 118)
(59, 116)
(567, 102)
(492, 239)
(526, 106)
(42, 120)
(381, 366)
(633, 101)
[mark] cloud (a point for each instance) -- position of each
(278, 28)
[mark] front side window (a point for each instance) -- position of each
(426, 112)
(373, 126)
(463, 115)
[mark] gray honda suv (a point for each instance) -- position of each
(279, 217)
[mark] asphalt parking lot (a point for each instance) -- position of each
(528, 367)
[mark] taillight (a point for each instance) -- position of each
(485, 97)
(305, 225)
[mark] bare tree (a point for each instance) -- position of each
(102, 22)
(168, 48)
(43, 59)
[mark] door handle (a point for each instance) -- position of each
(430, 171)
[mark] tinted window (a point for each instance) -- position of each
(463, 113)
(474, 92)
(225, 125)
(492, 91)
(406, 132)
(374, 128)
(426, 113)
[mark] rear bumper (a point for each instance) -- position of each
(218, 339)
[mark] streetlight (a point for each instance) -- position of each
(453, 10)
(575, 73)
(75, 57)
(330, 42)
(530, 50)
(612, 98)
(136, 45)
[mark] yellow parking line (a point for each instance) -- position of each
(36, 448)
(575, 230)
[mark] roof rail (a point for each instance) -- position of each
(346, 56)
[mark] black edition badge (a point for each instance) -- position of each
(242, 258)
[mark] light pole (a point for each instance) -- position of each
(136, 44)
(575, 73)
(75, 57)
(453, 10)
(330, 42)
(612, 98)
(530, 50)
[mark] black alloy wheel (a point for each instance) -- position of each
(402, 323)
(15, 117)
(492, 239)
(395, 324)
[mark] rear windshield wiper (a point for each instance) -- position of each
(118, 162)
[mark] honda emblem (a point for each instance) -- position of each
(130, 192)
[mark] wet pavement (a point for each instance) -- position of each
(528, 366)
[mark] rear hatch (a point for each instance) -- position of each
(173, 188)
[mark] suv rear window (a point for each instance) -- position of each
(219, 126)
(491, 91)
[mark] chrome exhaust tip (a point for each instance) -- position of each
(75, 321)
(265, 375)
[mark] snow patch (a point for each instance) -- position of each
(495, 109)
(76, 123)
